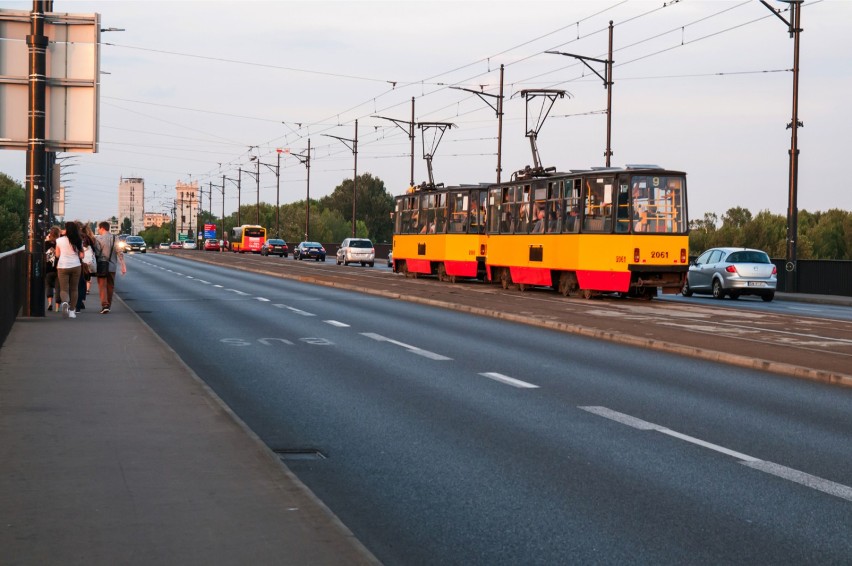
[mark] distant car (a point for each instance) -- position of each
(390, 258)
(190, 245)
(211, 245)
(175, 246)
(356, 250)
(309, 250)
(274, 247)
(135, 244)
(163, 246)
(122, 241)
(732, 272)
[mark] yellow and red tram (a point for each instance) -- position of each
(586, 232)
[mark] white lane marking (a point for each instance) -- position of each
(237, 292)
(218, 286)
(807, 480)
(295, 310)
(410, 348)
(261, 299)
(190, 277)
(203, 281)
(790, 474)
(336, 323)
(508, 380)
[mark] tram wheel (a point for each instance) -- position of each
(452, 278)
(567, 284)
(587, 293)
(442, 273)
(505, 278)
(522, 287)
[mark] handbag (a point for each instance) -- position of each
(89, 264)
(103, 264)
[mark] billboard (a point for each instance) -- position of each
(73, 80)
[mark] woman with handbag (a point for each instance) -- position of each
(109, 258)
(69, 252)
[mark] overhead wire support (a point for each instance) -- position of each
(409, 132)
(498, 109)
(305, 159)
(352, 144)
(607, 83)
(550, 95)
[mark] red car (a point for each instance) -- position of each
(175, 246)
(211, 245)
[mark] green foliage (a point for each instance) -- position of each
(373, 205)
(126, 226)
(822, 235)
(154, 235)
(13, 212)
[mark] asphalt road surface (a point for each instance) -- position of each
(442, 437)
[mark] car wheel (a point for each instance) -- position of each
(718, 292)
(345, 262)
(371, 264)
(323, 258)
(686, 290)
(767, 297)
(338, 262)
(363, 263)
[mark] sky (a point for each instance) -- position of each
(190, 91)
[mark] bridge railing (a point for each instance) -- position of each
(12, 287)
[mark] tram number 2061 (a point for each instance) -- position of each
(659, 255)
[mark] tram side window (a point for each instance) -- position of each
(597, 203)
(440, 225)
(478, 212)
(522, 223)
(495, 208)
(622, 209)
(538, 218)
(508, 209)
(426, 220)
(457, 210)
(571, 221)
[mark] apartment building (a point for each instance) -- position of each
(131, 203)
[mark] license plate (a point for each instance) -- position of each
(756, 284)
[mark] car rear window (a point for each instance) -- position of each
(360, 244)
(275, 242)
(748, 257)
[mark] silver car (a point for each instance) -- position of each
(733, 272)
(356, 250)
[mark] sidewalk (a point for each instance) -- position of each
(113, 452)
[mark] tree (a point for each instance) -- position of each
(373, 205)
(13, 213)
(702, 233)
(126, 226)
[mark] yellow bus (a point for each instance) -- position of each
(247, 238)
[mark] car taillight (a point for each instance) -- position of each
(774, 270)
(372, 250)
(683, 255)
(731, 269)
(635, 255)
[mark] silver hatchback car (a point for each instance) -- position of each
(733, 272)
(356, 250)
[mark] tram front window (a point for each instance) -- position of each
(658, 204)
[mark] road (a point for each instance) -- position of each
(443, 437)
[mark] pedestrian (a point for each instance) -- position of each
(111, 252)
(69, 253)
(51, 288)
(89, 243)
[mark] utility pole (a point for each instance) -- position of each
(36, 160)
(239, 182)
(352, 144)
(795, 28)
(607, 80)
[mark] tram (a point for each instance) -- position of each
(582, 232)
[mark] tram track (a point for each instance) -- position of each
(800, 346)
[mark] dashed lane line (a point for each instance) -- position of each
(790, 474)
(508, 380)
(410, 348)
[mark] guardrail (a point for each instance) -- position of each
(818, 276)
(12, 282)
